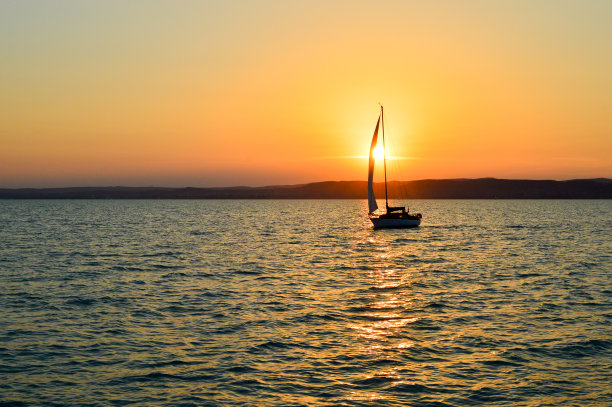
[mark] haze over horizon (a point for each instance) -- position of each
(281, 186)
(269, 92)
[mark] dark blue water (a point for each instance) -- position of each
(505, 303)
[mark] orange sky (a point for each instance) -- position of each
(271, 92)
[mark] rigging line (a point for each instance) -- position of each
(390, 172)
(382, 116)
(397, 169)
(389, 153)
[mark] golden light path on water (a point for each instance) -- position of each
(384, 317)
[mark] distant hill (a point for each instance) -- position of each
(481, 188)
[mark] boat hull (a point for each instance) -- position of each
(387, 223)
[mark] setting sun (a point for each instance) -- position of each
(379, 153)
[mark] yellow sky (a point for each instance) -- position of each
(207, 93)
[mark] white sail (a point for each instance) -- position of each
(372, 205)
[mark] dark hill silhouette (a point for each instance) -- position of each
(481, 188)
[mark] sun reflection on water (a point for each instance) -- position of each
(383, 319)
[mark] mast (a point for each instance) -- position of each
(382, 117)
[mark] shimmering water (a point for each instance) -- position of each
(504, 303)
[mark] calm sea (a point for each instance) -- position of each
(301, 303)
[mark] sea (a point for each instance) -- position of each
(303, 303)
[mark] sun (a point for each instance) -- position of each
(379, 153)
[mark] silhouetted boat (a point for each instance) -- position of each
(393, 216)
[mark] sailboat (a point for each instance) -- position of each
(393, 216)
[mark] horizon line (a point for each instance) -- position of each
(314, 182)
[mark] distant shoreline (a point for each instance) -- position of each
(479, 188)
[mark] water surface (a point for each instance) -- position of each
(216, 303)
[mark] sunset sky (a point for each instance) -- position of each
(223, 93)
